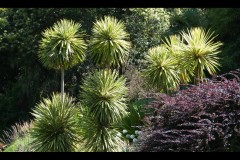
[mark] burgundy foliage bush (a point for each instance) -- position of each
(201, 118)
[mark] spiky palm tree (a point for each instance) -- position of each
(175, 45)
(62, 47)
(104, 96)
(201, 52)
(104, 92)
(109, 43)
(161, 72)
(55, 127)
(97, 137)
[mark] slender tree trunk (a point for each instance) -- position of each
(62, 84)
(197, 75)
(120, 69)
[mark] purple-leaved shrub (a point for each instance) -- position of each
(202, 118)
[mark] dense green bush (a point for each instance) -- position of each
(146, 27)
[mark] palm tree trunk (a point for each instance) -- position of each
(62, 84)
(120, 69)
(197, 75)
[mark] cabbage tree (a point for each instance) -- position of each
(161, 72)
(109, 43)
(62, 47)
(201, 52)
(104, 96)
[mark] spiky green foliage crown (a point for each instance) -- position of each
(175, 46)
(98, 138)
(62, 45)
(161, 72)
(55, 126)
(201, 51)
(109, 43)
(104, 92)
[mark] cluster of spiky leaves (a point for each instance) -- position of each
(201, 118)
(104, 95)
(161, 71)
(201, 52)
(104, 92)
(62, 45)
(181, 59)
(55, 127)
(109, 43)
(99, 138)
(175, 46)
